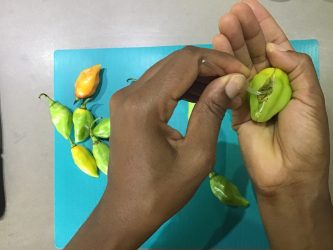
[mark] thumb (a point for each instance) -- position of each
(301, 72)
(205, 120)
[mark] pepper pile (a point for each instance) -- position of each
(84, 124)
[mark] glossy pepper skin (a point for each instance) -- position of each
(87, 82)
(225, 191)
(100, 151)
(84, 160)
(82, 119)
(276, 94)
(61, 116)
(101, 154)
(102, 129)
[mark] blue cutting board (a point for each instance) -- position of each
(204, 222)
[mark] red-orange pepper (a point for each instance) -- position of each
(87, 82)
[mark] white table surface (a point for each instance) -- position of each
(30, 31)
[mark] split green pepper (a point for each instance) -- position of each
(100, 152)
(82, 119)
(102, 129)
(225, 191)
(274, 93)
(61, 117)
(83, 159)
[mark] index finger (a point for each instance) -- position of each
(174, 78)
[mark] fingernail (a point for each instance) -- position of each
(274, 47)
(235, 86)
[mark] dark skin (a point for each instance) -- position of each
(155, 170)
(290, 160)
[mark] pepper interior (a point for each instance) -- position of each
(266, 89)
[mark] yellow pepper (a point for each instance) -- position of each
(87, 82)
(83, 159)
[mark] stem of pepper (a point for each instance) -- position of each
(131, 80)
(76, 100)
(71, 142)
(49, 99)
(212, 174)
(84, 104)
(93, 138)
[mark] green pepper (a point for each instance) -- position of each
(274, 93)
(83, 159)
(82, 119)
(100, 151)
(61, 116)
(103, 129)
(225, 191)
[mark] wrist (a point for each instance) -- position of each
(128, 221)
(298, 216)
(118, 222)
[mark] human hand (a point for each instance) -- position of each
(287, 157)
(297, 141)
(154, 170)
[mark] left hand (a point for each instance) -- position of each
(275, 156)
(154, 170)
(288, 157)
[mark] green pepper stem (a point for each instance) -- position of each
(84, 104)
(131, 80)
(49, 99)
(212, 174)
(71, 142)
(94, 139)
(76, 100)
(93, 124)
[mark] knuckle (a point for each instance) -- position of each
(116, 99)
(189, 50)
(131, 104)
(305, 61)
(125, 101)
(212, 105)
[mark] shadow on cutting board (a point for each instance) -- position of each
(204, 222)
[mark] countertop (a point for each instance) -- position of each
(31, 30)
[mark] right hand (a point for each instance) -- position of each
(292, 151)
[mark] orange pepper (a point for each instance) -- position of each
(87, 82)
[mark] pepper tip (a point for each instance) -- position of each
(246, 203)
